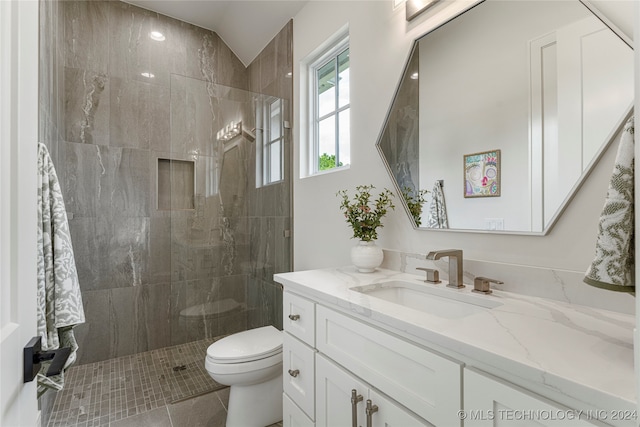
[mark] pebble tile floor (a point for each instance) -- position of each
(153, 388)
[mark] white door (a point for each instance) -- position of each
(18, 216)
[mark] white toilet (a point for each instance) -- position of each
(251, 363)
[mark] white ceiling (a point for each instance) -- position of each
(246, 26)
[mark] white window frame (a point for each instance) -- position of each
(328, 55)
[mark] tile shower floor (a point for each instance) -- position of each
(102, 393)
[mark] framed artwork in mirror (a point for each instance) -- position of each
(482, 174)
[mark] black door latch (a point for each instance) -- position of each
(33, 356)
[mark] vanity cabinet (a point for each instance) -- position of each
(426, 369)
(348, 354)
(490, 401)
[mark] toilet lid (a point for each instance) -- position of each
(245, 346)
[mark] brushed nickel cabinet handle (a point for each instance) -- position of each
(294, 317)
(294, 373)
(355, 398)
(371, 409)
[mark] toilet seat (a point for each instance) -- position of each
(248, 346)
(250, 362)
(214, 367)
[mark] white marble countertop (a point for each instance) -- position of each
(569, 350)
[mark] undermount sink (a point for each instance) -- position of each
(442, 302)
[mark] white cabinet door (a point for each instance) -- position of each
(424, 382)
(334, 388)
(389, 414)
(333, 395)
(292, 416)
(489, 401)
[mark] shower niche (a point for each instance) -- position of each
(176, 184)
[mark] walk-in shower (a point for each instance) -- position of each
(160, 149)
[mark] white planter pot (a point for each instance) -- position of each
(366, 256)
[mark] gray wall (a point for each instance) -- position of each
(107, 125)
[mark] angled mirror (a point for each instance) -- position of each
(506, 109)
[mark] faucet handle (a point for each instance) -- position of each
(482, 284)
(433, 276)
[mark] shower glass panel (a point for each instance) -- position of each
(213, 126)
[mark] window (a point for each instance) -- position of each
(330, 110)
(271, 150)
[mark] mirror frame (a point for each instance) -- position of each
(574, 189)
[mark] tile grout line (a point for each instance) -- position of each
(131, 385)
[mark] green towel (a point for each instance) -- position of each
(613, 265)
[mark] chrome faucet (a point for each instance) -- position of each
(455, 265)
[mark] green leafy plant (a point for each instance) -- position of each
(363, 214)
(415, 200)
(327, 161)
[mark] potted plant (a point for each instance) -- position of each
(364, 215)
(415, 199)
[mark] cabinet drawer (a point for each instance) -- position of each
(299, 318)
(424, 382)
(292, 416)
(298, 362)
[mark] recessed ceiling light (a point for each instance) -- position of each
(147, 75)
(414, 76)
(289, 74)
(157, 36)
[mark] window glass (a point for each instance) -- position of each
(345, 135)
(343, 73)
(326, 78)
(331, 109)
(327, 143)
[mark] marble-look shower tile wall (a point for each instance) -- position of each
(51, 54)
(140, 266)
(270, 206)
(402, 128)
